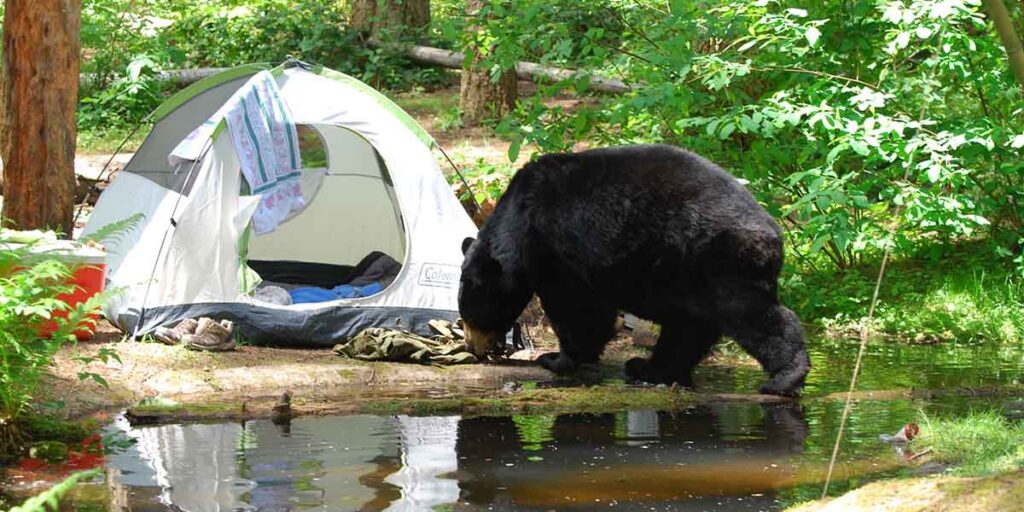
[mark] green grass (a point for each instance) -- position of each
(419, 104)
(967, 295)
(978, 444)
(107, 141)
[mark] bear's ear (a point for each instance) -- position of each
(466, 243)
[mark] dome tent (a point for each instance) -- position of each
(371, 185)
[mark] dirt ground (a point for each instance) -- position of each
(147, 370)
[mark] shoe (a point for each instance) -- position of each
(211, 336)
(174, 335)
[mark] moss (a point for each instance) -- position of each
(150, 412)
(595, 399)
(50, 428)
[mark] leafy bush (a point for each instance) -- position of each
(487, 182)
(126, 101)
(862, 125)
(127, 42)
(31, 284)
(217, 35)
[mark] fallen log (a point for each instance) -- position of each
(175, 76)
(436, 57)
(524, 70)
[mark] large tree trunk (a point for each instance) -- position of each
(388, 18)
(481, 97)
(1011, 42)
(38, 95)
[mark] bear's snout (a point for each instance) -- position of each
(480, 342)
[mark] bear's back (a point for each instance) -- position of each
(659, 177)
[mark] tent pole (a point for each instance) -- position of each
(163, 241)
(99, 178)
(472, 195)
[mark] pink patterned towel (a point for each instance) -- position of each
(267, 144)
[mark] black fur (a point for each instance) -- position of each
(653, 230)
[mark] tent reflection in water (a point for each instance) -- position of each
(395, 464)
(372, 188)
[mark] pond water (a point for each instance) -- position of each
(726, 456)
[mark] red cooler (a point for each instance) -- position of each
(89, 268)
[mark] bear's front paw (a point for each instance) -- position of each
(557, 362)
(783, 385)
(639, 369)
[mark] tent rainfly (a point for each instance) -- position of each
(373, 193)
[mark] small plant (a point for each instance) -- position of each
(487, 181)
(127, 100)
(450, 119)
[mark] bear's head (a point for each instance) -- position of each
(490, 297)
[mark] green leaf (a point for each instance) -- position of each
(812, 34)
(727, 130)
(859, 147)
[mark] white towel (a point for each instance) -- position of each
(267, 144)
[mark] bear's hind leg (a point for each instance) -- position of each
(680, 348)
(775, 338)
(583, 329)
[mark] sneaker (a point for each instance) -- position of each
(174, 335)
(211, 336)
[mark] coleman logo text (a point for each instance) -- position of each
(434, 274)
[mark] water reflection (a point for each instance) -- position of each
(700, 459)
(729, 456)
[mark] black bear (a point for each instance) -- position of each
(650, 229)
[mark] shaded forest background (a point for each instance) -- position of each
(860, 124)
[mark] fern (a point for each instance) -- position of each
(51, 498)
(114, 230)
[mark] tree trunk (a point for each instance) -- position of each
(997, 12)
(388, 18)
(481, 97)
(38, 96)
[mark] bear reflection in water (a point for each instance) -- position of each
(686, 458)
(669, 460)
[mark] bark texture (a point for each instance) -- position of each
(38, 97)
(393, 18)
(480, 96)
(1000, 16)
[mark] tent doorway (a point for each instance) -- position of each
(351, 218)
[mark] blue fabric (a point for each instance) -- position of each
(313, 294)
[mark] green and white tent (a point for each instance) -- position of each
(371, 185)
